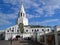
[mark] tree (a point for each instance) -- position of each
(21, 27)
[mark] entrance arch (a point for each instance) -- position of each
(17, 37)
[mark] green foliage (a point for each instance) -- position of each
(21, 27)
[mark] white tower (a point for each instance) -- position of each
(22, 16)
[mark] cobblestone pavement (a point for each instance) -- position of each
(22, 42)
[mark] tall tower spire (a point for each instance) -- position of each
(22, 12)
(22, 16)
(22, 8)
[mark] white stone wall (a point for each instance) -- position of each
(25, 21)
(9, 32)
(20, 20)
(39, 30)
(57, 28)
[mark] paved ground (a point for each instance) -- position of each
(22, 42)
(4, 42)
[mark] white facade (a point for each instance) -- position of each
(37, 31)
(11, 32)
(40, 30)
(57, 28)
(23, 20)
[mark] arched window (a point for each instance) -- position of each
(7, 30)
(42, 29)
(26, 30)
(21, 14)
(37, 29)
(32, 30)
(12, 30)
(17, 30)
(47, 29)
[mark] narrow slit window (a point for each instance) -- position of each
(21, 14)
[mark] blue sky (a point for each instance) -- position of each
(39, 12)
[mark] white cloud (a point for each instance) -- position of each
(51, 20)
(44, 22)
(50, 9)
(39, 10)
(4, 18)
(49, 5)
(14, 2)
(8, 16)
(27, 3)
(4, 22)
(32, 16)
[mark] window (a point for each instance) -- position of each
(32, 30)
(8, 31)
(47, 29)
(12, 30)
(37, 29)
(26, 30)
(17, 30)
(42, 29)
(21, 14)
